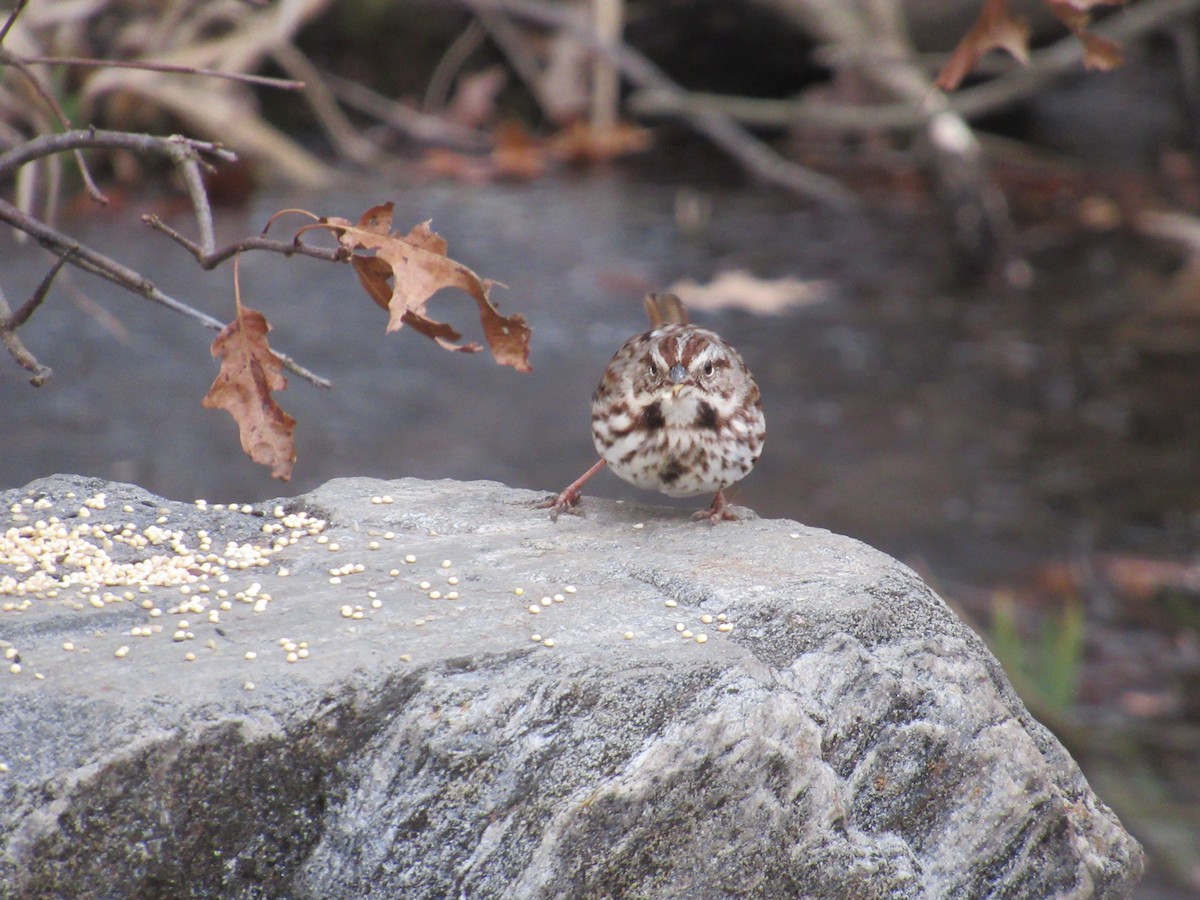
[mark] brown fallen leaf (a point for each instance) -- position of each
(250, 372)
(417, 267)
(995, 29)
(582, 143)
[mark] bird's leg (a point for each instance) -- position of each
(568, 498)
(718, 512)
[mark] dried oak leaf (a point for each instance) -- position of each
(994, 29)
(1099, 53)
(417, 267)
(250, 371)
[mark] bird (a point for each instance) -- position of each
(676, 411)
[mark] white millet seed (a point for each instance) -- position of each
(548, 642)
(387, 498)
(725, 626)
(302, 652)
(189, 656)
(291, 657)
(335, 580)
(559, 598)
(536, 638)
(706, 619)
(570, 589)
(410, 559)
(15, 668)
(701, 638)
(121, 652)
(373, 545)
(686, 634)
(445, 564)
(376, 604)
(394, 572)
(535, 609)
(628, 635)
(424, 585)
(68, 645)
(389, 535)
(453, 595)
(639, 526)
(679, 626)
(518, 591)
(248, 686)
(250, 654)
(453, 579)
(376, 499)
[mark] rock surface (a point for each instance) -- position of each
(837, 733)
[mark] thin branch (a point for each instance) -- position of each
(16, 347)
(1004, 90)
(405, 119)
(210, 259)
(26, 309)
(174, 147)
(437, 92)
(12, 19)
(89, 260)
(720, 129)
(49, 100)
(283, 84)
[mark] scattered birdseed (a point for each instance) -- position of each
(548, 642)
(686, 634)
(335, 580)
(721, 617)
(706, 619)
(535, 609)
(445, 564)
(453, 579)
(536, 638)
(372, 594)
(424, 585)
(387, 498)
(701, 638)
(628, 635)
(559, 598)
(248, 686)
(3, 768)
(725, 626)
(453, 595)
(545, 601)
(347, 611)
(570, 589)
(250, 654)
(15, 668)
(121, 652)
(794, 535)
(68, 645)
(284, 572)
(410, 559)
(376, 604)
(189, 656)
(373, 545)
(519, 591)
(302, 652)
(671, 603)
(376, 499)
(394, 572)
(435, 595)
(389, 535)
(292, 657)
(334, 546)
(639, 526)
(679, 626)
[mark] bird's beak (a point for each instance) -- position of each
(677, 375)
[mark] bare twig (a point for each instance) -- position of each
(16, 347)
(721, 130)
(283, 84)
(437, 92)
(89, 260)
(419, 125)
(26, 309)
(12, 19)
(1011, 87)
(174, 147)
(210, 259)
(52, 104)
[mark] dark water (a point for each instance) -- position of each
(970, 430)
(974, 433)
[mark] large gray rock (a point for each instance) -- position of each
(847, 737)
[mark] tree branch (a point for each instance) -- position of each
(89, 260)
(756, 156)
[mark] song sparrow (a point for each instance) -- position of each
(677, 411)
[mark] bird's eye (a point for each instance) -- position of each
(653, 370)
(708, 368)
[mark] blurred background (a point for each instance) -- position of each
(974, 315)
